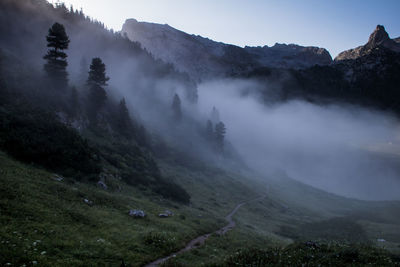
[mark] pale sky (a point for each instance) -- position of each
(335, 25)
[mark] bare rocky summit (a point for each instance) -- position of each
(378, 39)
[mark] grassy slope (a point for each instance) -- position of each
(34, 207)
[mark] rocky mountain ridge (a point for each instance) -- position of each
(204, 58)
(290, 56)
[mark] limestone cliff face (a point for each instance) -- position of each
(205, 58)
(378, 39)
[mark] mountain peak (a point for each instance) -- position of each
(378, 37)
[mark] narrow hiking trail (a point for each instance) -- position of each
(199, 241)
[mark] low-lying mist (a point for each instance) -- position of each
(348, 150)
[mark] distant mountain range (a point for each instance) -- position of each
(204, 58)
(368, 74)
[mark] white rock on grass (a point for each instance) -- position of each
(137, 213)
(58, 178)
(87, 201)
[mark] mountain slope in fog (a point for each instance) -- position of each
(203, 58)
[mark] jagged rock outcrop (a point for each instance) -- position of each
(204, 58)
(378, 39)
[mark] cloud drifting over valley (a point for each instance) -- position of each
(348, 150)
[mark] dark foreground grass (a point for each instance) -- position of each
(314, 254)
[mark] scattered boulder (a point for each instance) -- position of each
(165, 214)
(137, 213)
(87, 201)
(58, 178)
(169, 213)
(102, 185)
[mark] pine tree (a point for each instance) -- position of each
(97, 95)
(176, 107)
(220, 132)
(97, 73)
(57, 41)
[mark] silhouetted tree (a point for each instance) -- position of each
(96, 80)
(220, 131)
(176, 107)
(57, 41)
(97, 73)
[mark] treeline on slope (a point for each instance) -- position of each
(371, 80)
(45, 120)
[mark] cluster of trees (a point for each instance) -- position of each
(55, 67)
(215, 131)
(216, 134)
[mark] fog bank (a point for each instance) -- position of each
(348, 150)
